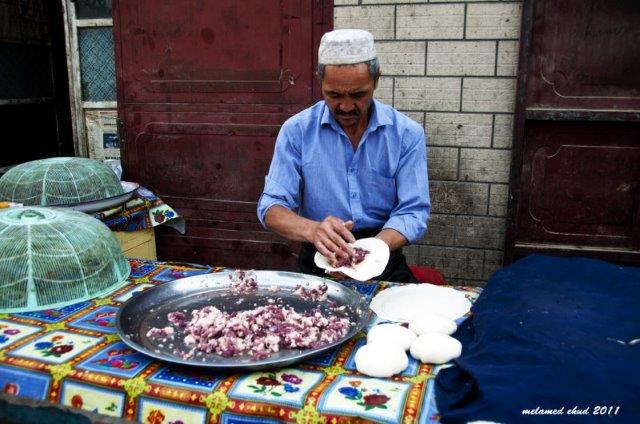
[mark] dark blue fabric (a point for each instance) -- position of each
(551, 333)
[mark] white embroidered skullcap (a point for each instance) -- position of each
(346, 47)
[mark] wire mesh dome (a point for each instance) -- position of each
(59, 181)
(51, 257)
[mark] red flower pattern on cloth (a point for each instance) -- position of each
(11, 388)
(271, 385)
(369, 401)
(76, 401)
(376, 400)
(60, 350)
(268, 381)
(158, 216)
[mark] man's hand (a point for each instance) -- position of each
(331, 237)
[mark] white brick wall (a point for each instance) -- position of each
(461, 58)
(427, 93)
(503, 131)
(493, 20)
(498, 196)
(507, 58)
(379, 20)
(460, 264)
(492, 262)
(390, 1)
(451, 66)
(384, 93)
(455, 197)
(443, 163)
(485, 165)
(459, 129)
(430, 21)
(481, 232)
(488, 94)
(344, 2)
(401, 57)
(442, 230)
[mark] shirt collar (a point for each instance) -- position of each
(378, 117)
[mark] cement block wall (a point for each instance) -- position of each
(451, 66)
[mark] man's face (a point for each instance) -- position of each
(348, 91)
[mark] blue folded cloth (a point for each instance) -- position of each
(549, 338)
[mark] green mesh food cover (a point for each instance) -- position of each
(59, 181)
(51, 257)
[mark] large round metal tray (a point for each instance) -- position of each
(108, 203)
(150, 308)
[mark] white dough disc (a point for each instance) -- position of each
(373, 264)
(391, 334)
(402, 303)
(435, 348)
(381, 360)
(432, 323)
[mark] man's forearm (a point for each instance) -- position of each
(394, 239)
(289, 224)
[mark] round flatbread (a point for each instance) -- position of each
(373, 264)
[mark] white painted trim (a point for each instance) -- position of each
(94, 22)
(99, 105)
(75, 88)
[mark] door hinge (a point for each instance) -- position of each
(120, 129)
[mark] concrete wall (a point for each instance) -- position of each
(451, 66)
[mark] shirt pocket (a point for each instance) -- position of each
(379, 195)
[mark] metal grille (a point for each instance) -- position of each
(97, 64)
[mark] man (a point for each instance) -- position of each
(348, 167)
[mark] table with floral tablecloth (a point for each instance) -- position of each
(143, 210)
(73, 357)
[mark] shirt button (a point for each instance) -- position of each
(352, 170)
(354, 195)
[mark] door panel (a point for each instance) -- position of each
(575, 187)
(580, 193)
(203, 88)
(585, 55)
(218, 51)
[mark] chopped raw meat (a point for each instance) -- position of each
(243, 282)
(178, 319)
(317, 294)
(160, 333)
(258, 332)
(358, 256)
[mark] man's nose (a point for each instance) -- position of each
(347, 107)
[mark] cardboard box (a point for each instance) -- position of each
(138, 244)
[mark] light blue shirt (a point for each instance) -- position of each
(382, 184)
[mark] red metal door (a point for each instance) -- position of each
(575, 188)
(203, 87)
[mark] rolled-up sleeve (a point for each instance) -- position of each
(410, 215)
(282, 185)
